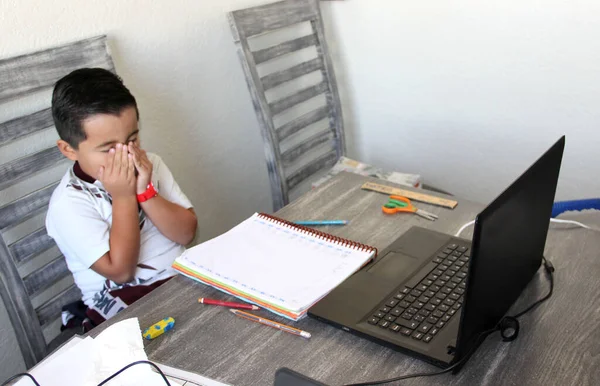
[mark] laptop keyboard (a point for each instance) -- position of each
(422, 310)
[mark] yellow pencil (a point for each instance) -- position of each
(271, 323)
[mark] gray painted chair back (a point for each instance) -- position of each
(292, 156)
(31, 267)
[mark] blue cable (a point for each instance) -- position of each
(575, 205)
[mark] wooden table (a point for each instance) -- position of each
(559, 343)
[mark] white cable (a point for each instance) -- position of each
(570, 222)
(462, 228)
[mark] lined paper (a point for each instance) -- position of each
(275, 263)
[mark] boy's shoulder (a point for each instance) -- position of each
(158, 166)
(155, 159)
(72, 192)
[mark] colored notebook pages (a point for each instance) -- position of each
(275, 264)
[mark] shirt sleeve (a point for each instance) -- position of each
(78, 229)
(165, 183)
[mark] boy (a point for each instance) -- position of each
(117, 215)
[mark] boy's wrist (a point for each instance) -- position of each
(147, 193)
(141, 187)
(125, 198)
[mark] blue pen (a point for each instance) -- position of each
(321, 222)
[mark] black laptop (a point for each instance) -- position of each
(431, 295)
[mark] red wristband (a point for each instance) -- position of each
(148, 194)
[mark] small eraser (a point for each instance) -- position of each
(159, 328)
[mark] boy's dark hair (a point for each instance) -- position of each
(83, 93)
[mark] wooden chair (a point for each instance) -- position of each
(296, 148)
(35, 282)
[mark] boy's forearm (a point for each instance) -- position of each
(175, 222)
(125, 237)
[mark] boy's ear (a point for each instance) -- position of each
(67, 150)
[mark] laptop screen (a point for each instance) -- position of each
(508, 245)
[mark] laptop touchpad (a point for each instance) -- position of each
(395, 266)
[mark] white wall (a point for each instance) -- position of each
(468, 93)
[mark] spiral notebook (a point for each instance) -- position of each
(275, 264)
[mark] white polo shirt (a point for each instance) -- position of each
(79, 220)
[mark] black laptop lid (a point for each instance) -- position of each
(508, 245)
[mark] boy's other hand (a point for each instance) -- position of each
(118, 176)
(143, 167)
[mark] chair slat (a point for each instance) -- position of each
(25, 74)
(20, 311)
(29, 124)
(333, 97)
(51, 310)
(25, 207)
(270, 53)
(301, 122)
(21, 168)
(30, 246)
(286, 75)
(299, 97)
(325, 161)
(46, 276)
(253, 21)
(289, 156)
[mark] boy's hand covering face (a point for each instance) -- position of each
(118, 176)
(143, 167)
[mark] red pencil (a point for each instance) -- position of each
(228, 304)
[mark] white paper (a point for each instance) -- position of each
(275, 263)
(187, 378)
(74, 366)
(118, 346)
(87, 362)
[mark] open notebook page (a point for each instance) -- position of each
(275, 262)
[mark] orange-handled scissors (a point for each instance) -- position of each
(402, 204)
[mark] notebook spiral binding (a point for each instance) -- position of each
(320, 235)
